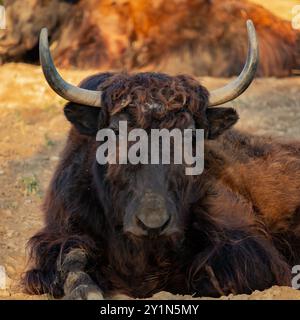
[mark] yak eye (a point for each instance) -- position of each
(194, 140)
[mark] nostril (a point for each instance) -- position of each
(157, 226)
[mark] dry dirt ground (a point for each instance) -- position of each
(282, 8)
(33, 131)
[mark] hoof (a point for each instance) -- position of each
(85, 292)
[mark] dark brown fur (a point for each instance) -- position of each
(239, 218)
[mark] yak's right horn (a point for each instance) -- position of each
(58, 84)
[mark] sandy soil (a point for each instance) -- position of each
(33, 131)
(282, 8)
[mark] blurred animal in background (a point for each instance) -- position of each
(140, 229)
(200, 37)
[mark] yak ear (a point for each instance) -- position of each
(220, 119)
(84, 118)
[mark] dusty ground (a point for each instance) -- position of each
(282, 8)
(33, 130)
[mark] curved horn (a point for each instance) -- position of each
(58, 84)
(235, 88)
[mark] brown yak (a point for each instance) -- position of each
(139, 229)
(140, 34)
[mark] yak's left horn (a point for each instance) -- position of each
(239, 85)
(58, 84)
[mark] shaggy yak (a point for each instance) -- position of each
(140, 229)
(139, 34)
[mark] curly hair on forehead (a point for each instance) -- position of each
(146, 92)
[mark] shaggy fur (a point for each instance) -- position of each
(200, 37)
(238, 220)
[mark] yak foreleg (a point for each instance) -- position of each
(78, 285)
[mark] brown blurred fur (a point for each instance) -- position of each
(200, 37)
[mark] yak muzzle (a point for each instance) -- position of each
(151, 217)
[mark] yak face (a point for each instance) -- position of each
(147, 200)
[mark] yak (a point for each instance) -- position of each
(139, 229)
(140, 34)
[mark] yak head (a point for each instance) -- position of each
(147, 199)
